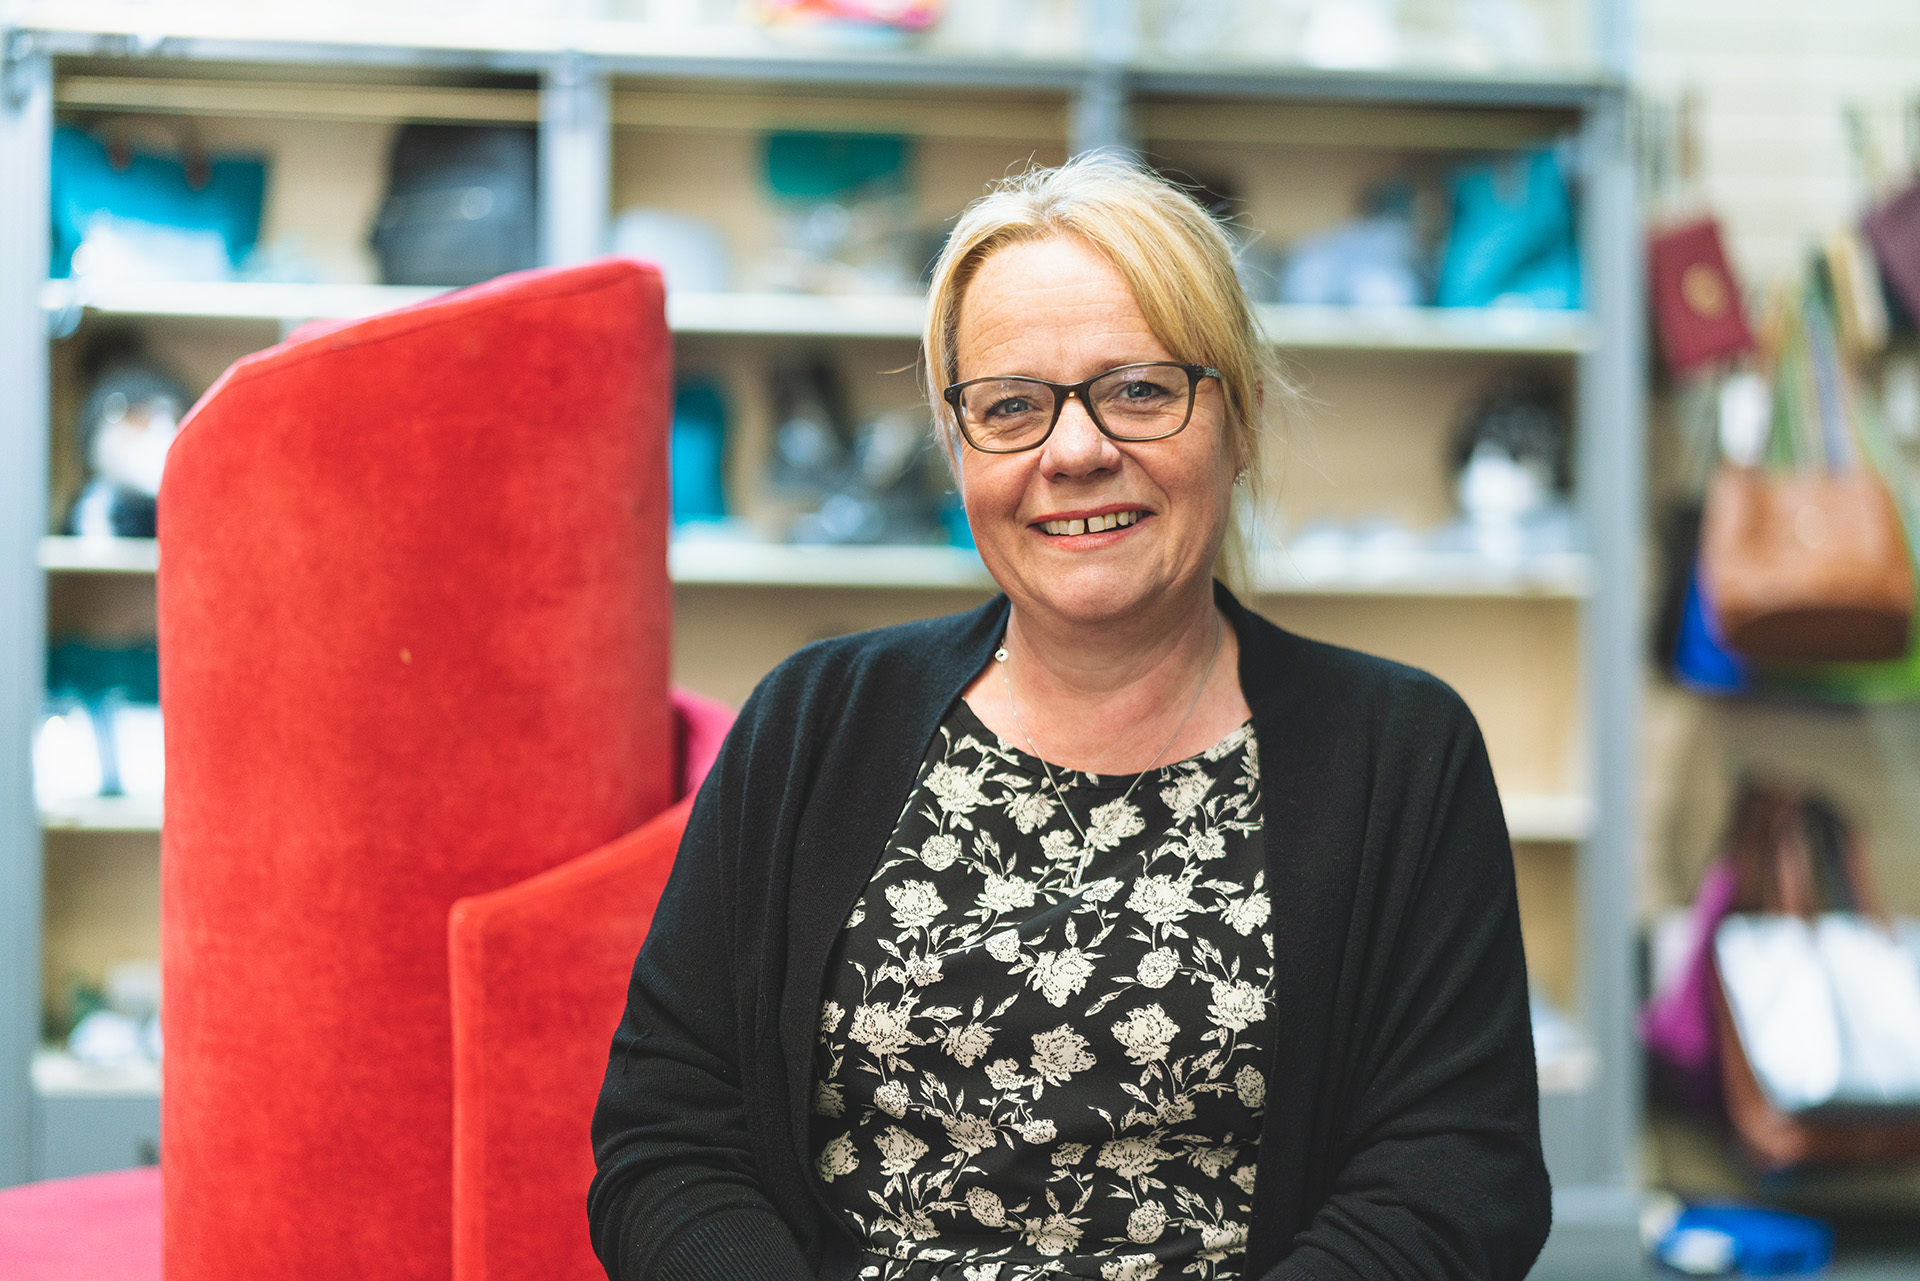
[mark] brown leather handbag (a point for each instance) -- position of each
(1806, 566)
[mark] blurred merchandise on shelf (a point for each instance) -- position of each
(835, 480)
(1369, 35)
(1677, 1024)
(125, 214)
(699, 452)
(1511, 242)
(1818, 1010)
(1565, 1058)
(1716, 1239)
(1352, 35)
(460, 205)
(1859, 303)
(1512, 468)
(844, 214)
(690, 252)
(100, 734)
(127, 422)
(812, 432)
(1699, 315)
(884, 496)
(117, 1025)
(849, 23)
(1373, 261)
(1892, 228)
(1900, 396)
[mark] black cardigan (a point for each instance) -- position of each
(1401, 1137)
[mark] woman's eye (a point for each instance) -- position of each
(1010, 407)
(1141, 389)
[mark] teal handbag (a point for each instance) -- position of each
(1512, 239)
(192, 211)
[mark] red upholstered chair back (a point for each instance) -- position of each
(415, 639)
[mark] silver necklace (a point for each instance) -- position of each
(1000, 657)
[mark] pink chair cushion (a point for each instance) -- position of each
(104, 1227)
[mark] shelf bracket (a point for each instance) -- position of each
(20, 67)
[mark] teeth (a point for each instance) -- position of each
(1092, 524)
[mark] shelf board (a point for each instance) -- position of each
(230, 299)
(104, 814)
(755, 564)
(799, 315)
(61, 554)
(58, 1075)
(1492, 329)
(1421, 573)
(749, 564)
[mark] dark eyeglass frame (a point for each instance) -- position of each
(1063, 392)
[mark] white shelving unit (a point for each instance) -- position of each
(597, 77)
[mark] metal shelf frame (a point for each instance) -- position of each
(1592, 1134)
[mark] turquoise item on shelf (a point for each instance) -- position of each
(86, 671)
(699, 452)
(1512, 242)
(805, 167)
(152, 199)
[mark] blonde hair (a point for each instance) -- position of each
(1177, 260)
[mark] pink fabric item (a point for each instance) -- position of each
(1677, 1024)
(703, 724)
(103, 1227)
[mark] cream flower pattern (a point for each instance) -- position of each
(1042, 1047)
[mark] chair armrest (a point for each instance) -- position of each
(539, 975)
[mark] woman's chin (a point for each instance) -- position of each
(1098, 590)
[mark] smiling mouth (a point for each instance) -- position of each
(1091, 525)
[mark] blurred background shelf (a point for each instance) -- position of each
(62, 554)
(1462, 329)
(762, 564)
(57, 1074)
(103, 814)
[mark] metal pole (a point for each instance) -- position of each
(26, 129)
(1102, 106)
(576, 161)
(1613, 462)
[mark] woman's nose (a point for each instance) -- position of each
(1077, 445)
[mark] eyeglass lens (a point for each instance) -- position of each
(1137, 402)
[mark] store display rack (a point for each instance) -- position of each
(590, 79)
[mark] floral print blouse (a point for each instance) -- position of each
(1042, 1056)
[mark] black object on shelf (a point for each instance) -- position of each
(460, 205)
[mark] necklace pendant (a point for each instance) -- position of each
(1000, 655)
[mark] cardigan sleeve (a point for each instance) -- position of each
(676, 1195)
(1437, 1170)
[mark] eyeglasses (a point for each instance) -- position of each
(1134, 402)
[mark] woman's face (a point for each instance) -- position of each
(1055, 309)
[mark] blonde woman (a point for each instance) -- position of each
(1107, 930)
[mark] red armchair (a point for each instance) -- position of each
(415, 636)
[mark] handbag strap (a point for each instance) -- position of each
(181, 134)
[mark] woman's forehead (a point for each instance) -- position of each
(1052, 301)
